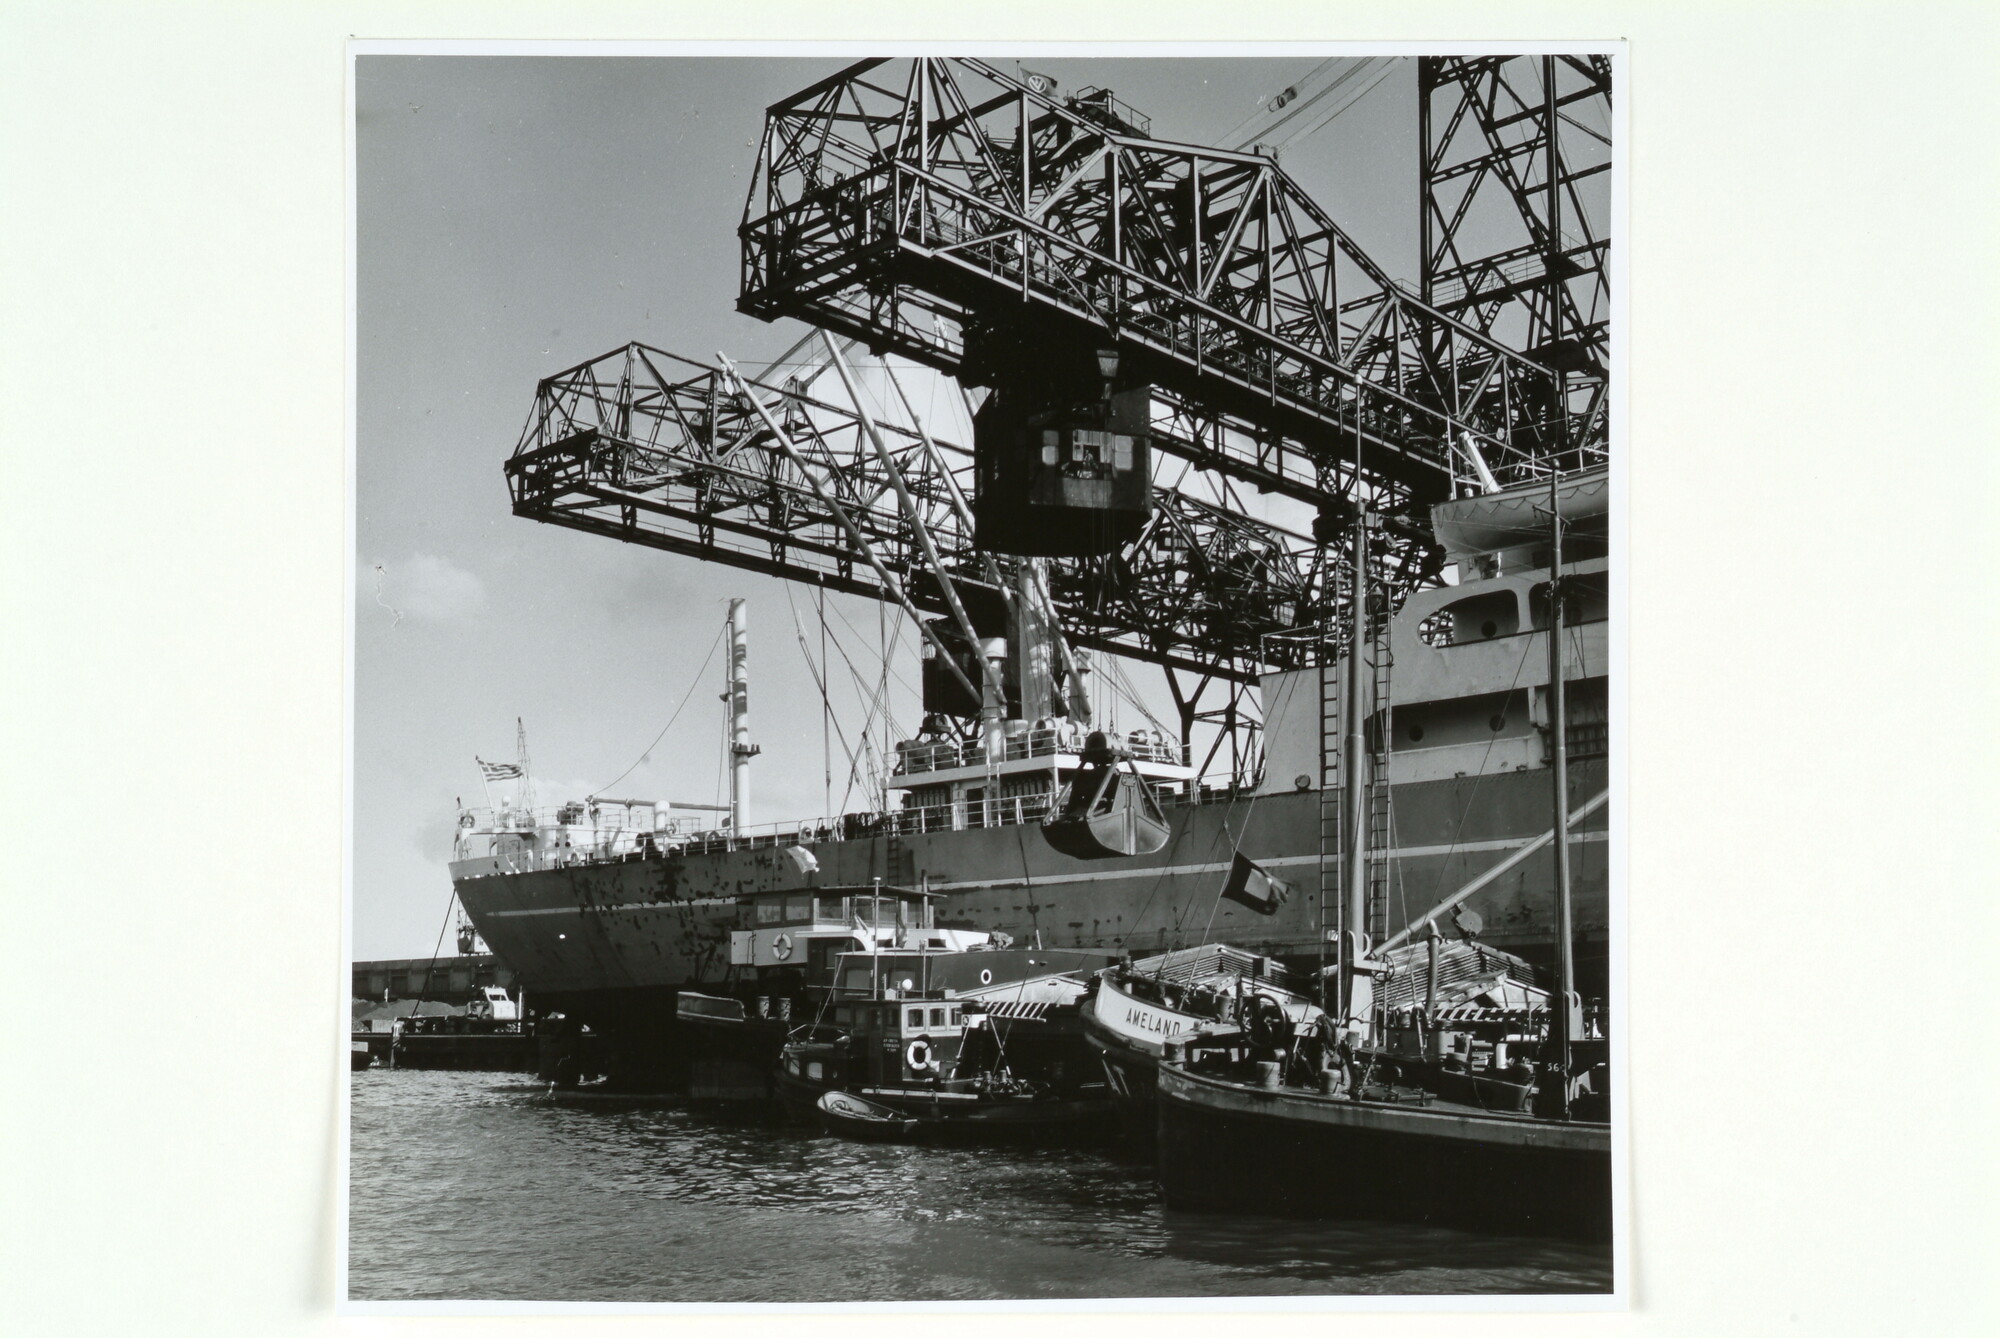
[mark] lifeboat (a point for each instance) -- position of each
(1108, 811)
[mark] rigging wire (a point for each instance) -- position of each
(1131, 694)
(825, 711)
(888, 644)
(1387, 68)
(437, 949)
(826, 705)
(874, 694)
(876, 757)
(1370, 70)
(861, 685)
(882, 650)
(686, 697)
(1458, 828)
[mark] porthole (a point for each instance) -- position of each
(1497, 723)
(1488, 628)
(1416, 733)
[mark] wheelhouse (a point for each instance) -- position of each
(806, 931)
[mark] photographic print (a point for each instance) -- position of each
(985, 678)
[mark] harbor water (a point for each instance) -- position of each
(484, 1186)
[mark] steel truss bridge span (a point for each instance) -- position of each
(660, 450)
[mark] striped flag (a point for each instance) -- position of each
(494, 771)
(1250, 886)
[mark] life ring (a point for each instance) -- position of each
(465, 820)
(985, 975)
(781, 946)
(919, 1056)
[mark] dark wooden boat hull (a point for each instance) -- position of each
(1126, 1033)
(1130, 1075)
(1232, 1147)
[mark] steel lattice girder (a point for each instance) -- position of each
(1516, 201)
(901, 199)
(655, 449)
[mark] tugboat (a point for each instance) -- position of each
(805, 945)
(1001, 1058)
(781, 968)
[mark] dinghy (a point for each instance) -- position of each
(848, 1116)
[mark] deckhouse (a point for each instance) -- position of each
(804, 930)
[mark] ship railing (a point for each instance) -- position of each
(917, 758)
(760, 836)
(574, 815)
(1006, 811)
(620, 844)
(1152, 748)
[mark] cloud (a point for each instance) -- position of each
(422, 588)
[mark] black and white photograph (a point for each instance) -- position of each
(1122, 669)
(985, 679)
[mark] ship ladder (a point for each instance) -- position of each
(1330, 901)
(1381, 814)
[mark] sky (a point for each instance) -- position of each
(517, 216)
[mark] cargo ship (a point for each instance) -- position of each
(607, 909)
(1184, 364)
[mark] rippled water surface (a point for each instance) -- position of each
(481, 1186)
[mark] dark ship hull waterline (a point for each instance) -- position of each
(611, 943)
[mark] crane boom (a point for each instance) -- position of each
(656, 449)
(943, 210)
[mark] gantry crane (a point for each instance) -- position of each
(1116, 296)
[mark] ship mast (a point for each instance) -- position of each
(1566, 1002)
(737, 694)
(524, 783)
(1355, 780)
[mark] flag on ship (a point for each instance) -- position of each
(494, 771)
(1250, 886)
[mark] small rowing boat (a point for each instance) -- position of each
(849, 1116)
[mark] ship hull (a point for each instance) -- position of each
(611, 943)
(1126, 1034)
(1227, 1146)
